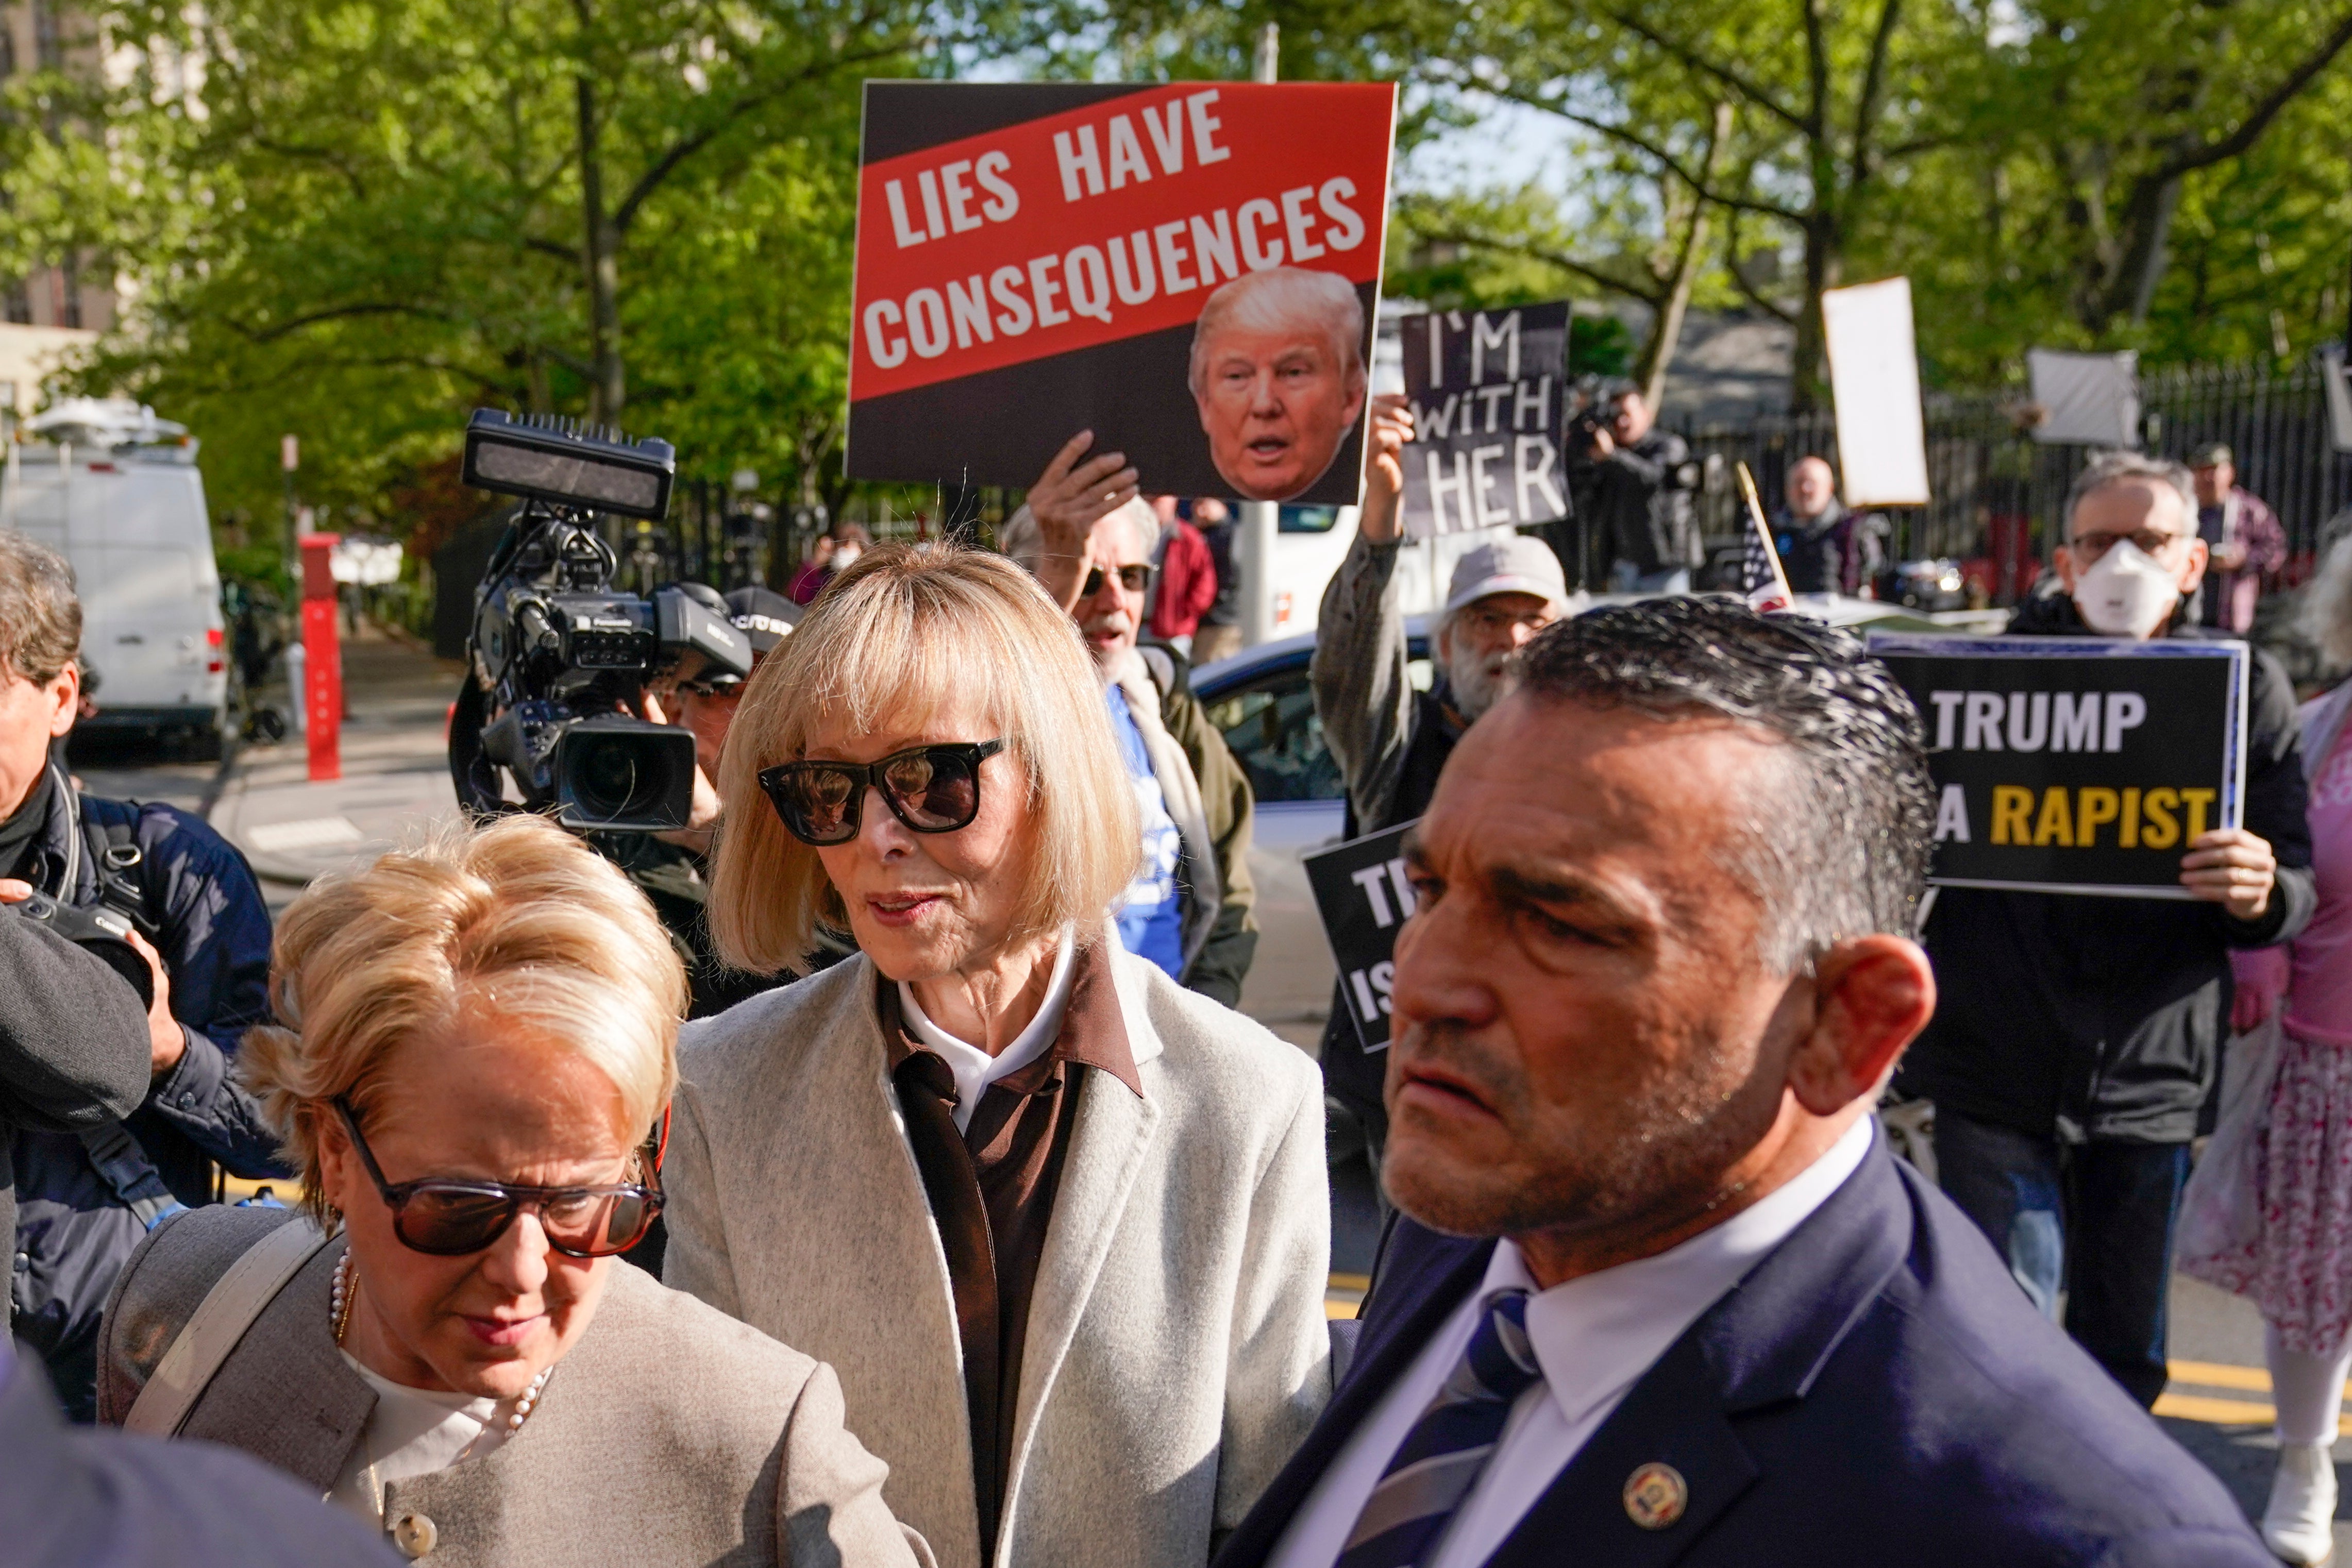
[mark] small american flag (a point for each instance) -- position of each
(1761, 579)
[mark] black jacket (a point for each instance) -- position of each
(205, 913)
(1633, 497)
(2086, 1017)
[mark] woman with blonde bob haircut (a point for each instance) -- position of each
(1061, 1226)
(477, 1054)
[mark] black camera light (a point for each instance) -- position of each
(622, 774)
(549, 458)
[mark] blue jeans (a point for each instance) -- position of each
(1624, 579)
(2114, 1202)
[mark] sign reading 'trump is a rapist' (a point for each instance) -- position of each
(1487, 389)
(1191, 271)
(2075, 764)
(1361, 893)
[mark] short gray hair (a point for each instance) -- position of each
(41, 616)
(1024, 541)
(1836, 847)
(1273, 300)
(2114, 467)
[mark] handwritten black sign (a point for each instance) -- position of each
(1489, 392)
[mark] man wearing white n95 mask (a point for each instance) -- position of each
(2078, 1037)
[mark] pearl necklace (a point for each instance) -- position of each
(339, 1318)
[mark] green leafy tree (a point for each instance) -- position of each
(357, 220)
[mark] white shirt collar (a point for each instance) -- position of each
(1597, 1334)
(973, 1068)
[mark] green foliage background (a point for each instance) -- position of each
(355, 219)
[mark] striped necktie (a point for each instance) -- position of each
(1440, 1459)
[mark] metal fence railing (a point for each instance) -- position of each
(1999, 494)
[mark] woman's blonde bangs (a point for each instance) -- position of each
(907, 632)
(518, 926)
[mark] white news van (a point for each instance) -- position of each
(115, 490)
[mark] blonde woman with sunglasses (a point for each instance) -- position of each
(472, 1078)
(1061, 1225)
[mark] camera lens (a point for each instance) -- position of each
(606, 782)
(624, 773)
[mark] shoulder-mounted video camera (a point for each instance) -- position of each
(558, 657)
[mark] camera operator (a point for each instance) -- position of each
(86, 1197)
(672, 868)
(1629, 482)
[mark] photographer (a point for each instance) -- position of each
(1630, 486)
(86, 1197)
(672, 868)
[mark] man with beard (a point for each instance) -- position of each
(1087, 538)
(1389, 739)
(1658, 1292)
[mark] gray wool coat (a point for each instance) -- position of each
(1178, 1347)
(668, 1434)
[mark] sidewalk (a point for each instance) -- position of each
(396, 772)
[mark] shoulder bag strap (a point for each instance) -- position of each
(228, 1310)
(116, 1154)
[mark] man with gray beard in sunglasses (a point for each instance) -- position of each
(1390, 740)
(1087, 538)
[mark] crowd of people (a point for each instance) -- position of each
(878, 1169)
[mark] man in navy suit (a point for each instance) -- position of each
(1658, 1292)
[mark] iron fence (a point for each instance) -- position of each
(1999, 494)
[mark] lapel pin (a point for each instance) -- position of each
(1655, 1496)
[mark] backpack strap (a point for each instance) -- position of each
(125, 1164)
(121, 868)
(228, 1309)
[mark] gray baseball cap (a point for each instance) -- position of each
(1511, 564)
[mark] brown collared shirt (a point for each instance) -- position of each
(990, 1187)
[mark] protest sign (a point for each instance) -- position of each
(1191, 271)
(2075, 764)
(1874, 380)
(1488, 390)
(1361, 893)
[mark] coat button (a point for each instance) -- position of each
(1655, 1496)
(413, 1534)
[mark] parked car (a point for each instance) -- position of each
(1261, 700)
(115, 490)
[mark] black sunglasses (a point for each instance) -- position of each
(1135, 577)
(448, 1217)
(931, 788)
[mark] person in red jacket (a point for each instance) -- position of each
(1188, 579)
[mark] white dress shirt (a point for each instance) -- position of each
(973, 1068)
(1594, 1337)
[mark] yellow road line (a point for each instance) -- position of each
(1359, 1283)
(2215, 1412)
(2218, 1375)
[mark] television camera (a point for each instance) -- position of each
(559, 660)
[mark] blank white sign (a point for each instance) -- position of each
(1874, 378)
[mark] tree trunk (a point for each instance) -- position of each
(1666, 327)
(603, 242)
(1824, 266)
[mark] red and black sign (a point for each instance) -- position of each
(1191, 271)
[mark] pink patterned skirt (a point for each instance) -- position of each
(2300, 1270)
